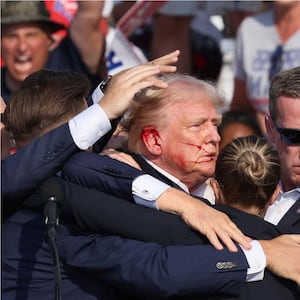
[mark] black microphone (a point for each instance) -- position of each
(51, 195)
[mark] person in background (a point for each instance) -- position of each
(6, 141)
(237, 124)
(171, 28)
(266, 43)
(27, 44)
(283, 127)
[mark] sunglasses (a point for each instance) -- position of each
(276, 61)
(289, 136)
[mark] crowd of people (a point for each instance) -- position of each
(187, 202)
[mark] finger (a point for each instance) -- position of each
(167, 69)
(159, 83)
(138, 73)
(213, 239)
(148, 83)
(235, 234)
(228, 242)
(169, 58)
(118, 130)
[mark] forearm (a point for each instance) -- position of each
(283, 255)
(86, 33)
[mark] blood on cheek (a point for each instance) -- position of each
(199, 147)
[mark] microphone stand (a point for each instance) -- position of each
(51, 193)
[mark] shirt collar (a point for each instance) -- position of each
(168, 175)
(289, 194)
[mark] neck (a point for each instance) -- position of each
(283, 10)
(253, 210)
(191, 182)
(287, 19)
(285, 183)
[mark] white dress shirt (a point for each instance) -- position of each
(282, 204)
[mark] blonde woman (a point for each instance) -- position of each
(248, 172)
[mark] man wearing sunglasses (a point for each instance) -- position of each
(283, 127)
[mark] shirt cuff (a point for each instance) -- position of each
(257, 262)
(97, 94)
(89, 126)
(147, 189)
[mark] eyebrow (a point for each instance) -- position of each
(218, 118)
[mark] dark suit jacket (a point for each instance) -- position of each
(40, 159)
(150, 225)
(101, 266)
(94, 265)
(24, 171)
(290, 222)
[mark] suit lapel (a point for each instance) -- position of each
(292, 217)
(151, 171)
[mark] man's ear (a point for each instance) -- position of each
(55, 39)
(270, 129)
(151, 139)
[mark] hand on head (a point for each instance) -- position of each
(124, 85)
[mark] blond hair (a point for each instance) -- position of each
(248, 171)
(151, 104)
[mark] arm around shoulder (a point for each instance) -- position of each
(157, 271)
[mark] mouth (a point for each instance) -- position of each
(22, 59)
(205, 159)
(297, 169)
(23, 64)
(209, 153)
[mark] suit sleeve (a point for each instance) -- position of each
(102, 173)
(134, 221)
(150, 270)
(98, 211)
(25, 170)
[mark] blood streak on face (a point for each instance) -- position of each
(197, 146)
(194, 145)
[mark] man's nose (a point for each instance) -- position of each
(22, 44)
(213, 134)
